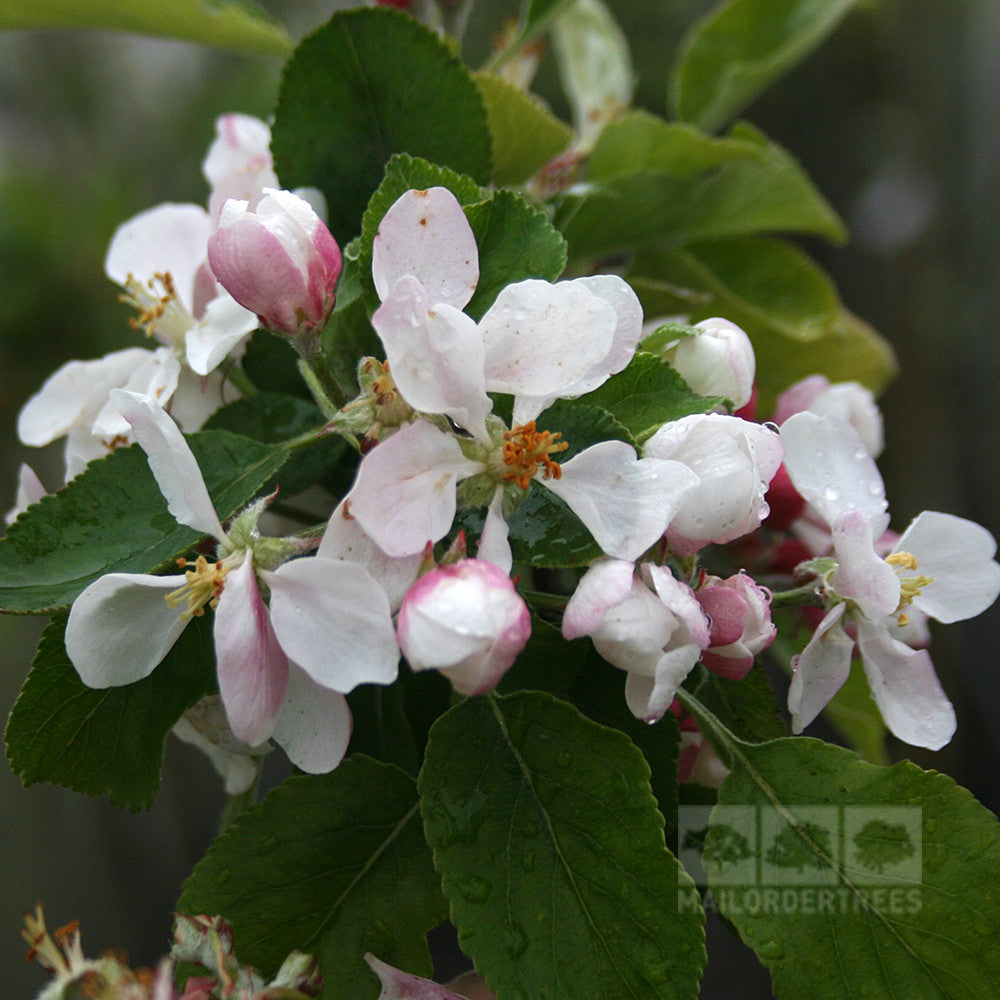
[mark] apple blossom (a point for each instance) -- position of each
(539, 342)
(279, 261)
(649, 625)
(283, 668)
(734, 460)
(465, 619)
(848, 401)
(741, 628)
(942, 566)
(29, 490)
(238, 163)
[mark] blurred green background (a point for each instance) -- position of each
(897, 118)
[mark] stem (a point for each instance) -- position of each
(241, 380)
(723, 742)
(328, 394)
(806, 594)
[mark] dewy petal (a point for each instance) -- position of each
(619, 295)
(820, 670)
(156, 377)
(861, 575)
(333, 620)
(624, 501)
(494, 540)
(242, 143)
(541, 339)
(173, 465)
(165, 239)
(251, 665)
(121, 627)
(958, 557)
(649, 698)
(435, 354)
(607, 583)
(906, 689)
(221, 327)
(426, 234)
(314, 724)
(404, 494)
(345, 539)
(830, 466)
(74, 394)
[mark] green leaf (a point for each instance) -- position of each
(599, 693)
(552, 854)
(224, 24)
(370, 83)
(545, 664)
(526, 135)
(740, 48)
(886, 877)
(758, 187)
(271, 363)
(746, 707)
(107, 741)
(515, 242)
(381, 729)
(785, 303)
(355, 875)
(113, 519)
(648, 394)
(273, 418)
(347, 338)
(854, 714)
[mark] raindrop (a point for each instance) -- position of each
(222, 876)
(831, 494)
(771, 948)
(475, 889)
(528, 861)
(268, 844)
(564, 758)
(516, 943)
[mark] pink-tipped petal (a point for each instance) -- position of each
(426, 234)
(861, 575)
(399, 985)
(820, 669)
(607, 583)
(251, 665)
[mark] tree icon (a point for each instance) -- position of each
(879, 843)
(791, 850)
(725, 847)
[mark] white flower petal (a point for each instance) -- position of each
(494, 543)
(345, 539)
(222, 326)
(156, 377)
(314, 725)
(958, 556)
(607, 583)
(74, 394)
(830, 466)
(861, 575)
(404, 494)
(333, 620)
(168, 239)
(252, 667)
(29, 490)
(820, 670)
(435, 354)
(542, 338)
(426, 234)
(906, 689)
(624, 501)
(173, 465)
(121, 627)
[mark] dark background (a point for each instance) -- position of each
(897, 118)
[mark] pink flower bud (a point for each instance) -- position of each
(466, 620)
(279, 261)
(740, 613)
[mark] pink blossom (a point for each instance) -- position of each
(740, 613)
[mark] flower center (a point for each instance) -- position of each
(909, 586)
(525, 449)
(161, 312)
(204, 586)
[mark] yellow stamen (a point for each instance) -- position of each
(525, 449)
(909, 586)
(204, 586)
(152, 300)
